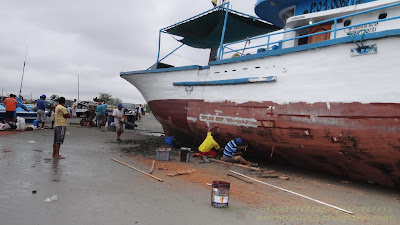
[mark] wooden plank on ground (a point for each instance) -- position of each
(137, 169)
(238, 165)
(178, 173)
(239, 178)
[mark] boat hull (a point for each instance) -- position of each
(354, 140)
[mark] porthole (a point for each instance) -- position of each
(382, 16)
(347, 23)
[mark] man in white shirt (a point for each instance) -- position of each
(119, 118)
(74, 107)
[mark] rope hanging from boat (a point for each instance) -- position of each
(363, 31)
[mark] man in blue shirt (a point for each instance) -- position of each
(233, 151)
(41, 111)
(100, 113)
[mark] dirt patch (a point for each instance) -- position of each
(254, 195)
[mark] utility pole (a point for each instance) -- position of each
(78, 87)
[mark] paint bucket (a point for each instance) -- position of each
(162, 154)
(184, 154)
(220, 194)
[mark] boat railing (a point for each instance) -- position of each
(272, 45)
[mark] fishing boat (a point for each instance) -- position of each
(318, 90)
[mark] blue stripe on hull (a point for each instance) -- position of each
(227, 82)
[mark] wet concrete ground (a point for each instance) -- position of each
(92, 189)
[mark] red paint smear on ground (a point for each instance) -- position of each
(4, 133)
(254, 195)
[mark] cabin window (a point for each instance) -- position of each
(347, 23)
(382, 16)
(302, 41)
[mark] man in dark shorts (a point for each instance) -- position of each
(61, 116)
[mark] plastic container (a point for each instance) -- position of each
(110, 120)
(162, 154)
(220, 194)
(130, 118)
(184, 154)
(35, 123)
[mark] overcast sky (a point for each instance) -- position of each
(95, 39)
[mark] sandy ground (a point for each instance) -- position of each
(93, 189)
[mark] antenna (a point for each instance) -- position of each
(23, 71)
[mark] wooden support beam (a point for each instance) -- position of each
(137, 169)
(238, 165)
(239, 178)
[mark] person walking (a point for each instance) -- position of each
(61, 116)
(119, 118)
(74, 107)
(41, 111)
(100, 114)
(11, 105)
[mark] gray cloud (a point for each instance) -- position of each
(95, 39)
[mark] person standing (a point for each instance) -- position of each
(41, 111)
(140, 111)
(118, 115)
(100, 114)
(74, 107)
(11, 105)
(61, 116)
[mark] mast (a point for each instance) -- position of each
(23, 71)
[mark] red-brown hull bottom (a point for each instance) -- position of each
(354, 140)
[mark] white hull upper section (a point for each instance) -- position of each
(326, 74)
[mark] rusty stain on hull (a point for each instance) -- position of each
(354, 140)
